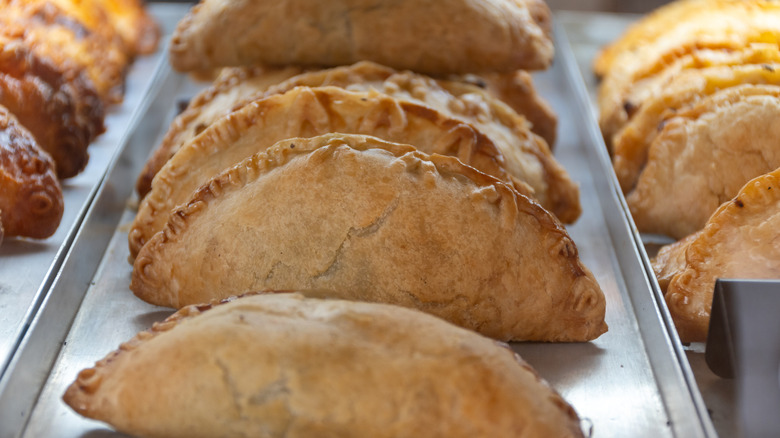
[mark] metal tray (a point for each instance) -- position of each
(28, 267)
(587, 33)
(629, 382)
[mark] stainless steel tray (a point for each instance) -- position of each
(587, 33)
(629, 382)
(28, 267)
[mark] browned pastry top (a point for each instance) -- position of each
(60, 108)
(280, 365)
(30, 196)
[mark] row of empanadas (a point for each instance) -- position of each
(281, 365)
(361, 183)
(235, 87)
(62, 62)
(515, 154)
(689, 105)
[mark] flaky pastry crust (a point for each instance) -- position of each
(439, 38)
(30, 196)
(703, 156)
(363, 219)
(306, 112)
(281, 365)
(740, 240)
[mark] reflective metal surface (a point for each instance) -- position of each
(626, 383)
(713, 396)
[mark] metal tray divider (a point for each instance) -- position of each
(655, 322)
(32, 362)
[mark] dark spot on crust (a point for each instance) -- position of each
(767, 67)
(739, 203)
(292, 145)
(630, 108)
(661, 124)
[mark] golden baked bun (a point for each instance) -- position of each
(281, 365)
(740, 240)
(438, 38)
(359, 218)
(30, 196)
(306, 112)
(60, 108)
(703, 156)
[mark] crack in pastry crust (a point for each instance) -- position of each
(524, 282)
(303, 112)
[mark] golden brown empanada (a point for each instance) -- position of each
(281, 365)
(30, 196)
(61, 109)
(632, 142)
(439, 38)
(703, 156)
(359, 218)
(527, 157)
(705, 62)
(52, 33)
(306, 112)
(720, 24)
(740, 240)
(233, 85)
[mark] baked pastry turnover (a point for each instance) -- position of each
(426, 37)
(358, 218)
(704, 155)
(30, 195)
(280, 365)
(306, 112)
(740, 240)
